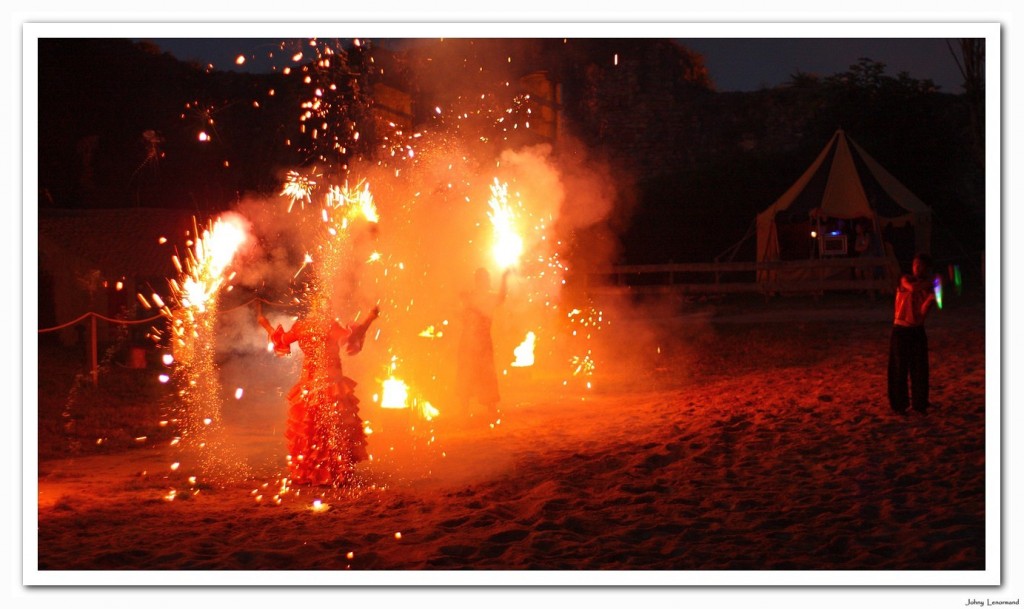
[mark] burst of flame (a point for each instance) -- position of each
(211, 254)
(524, 352)
(396, 394)
(508, 245)
(428, 411)
(364, 202)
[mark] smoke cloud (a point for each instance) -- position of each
(418, 260)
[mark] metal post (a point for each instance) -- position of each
(95, 365)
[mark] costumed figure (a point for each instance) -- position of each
(324, 432)
(476, 378)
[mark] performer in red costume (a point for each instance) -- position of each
(324, 432)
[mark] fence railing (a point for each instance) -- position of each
(772, 277)
(92, 316)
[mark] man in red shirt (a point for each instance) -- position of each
(908, 346)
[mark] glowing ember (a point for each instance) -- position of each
(524, 352)
(431, 332)
(508, 245)
(582, 366)
(238, 393)
(320, 506)
(168, 359)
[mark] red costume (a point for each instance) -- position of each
(324, 432)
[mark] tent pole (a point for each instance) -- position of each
(95, 368)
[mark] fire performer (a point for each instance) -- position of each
(908, 346)
(475, 377)
(324, 431)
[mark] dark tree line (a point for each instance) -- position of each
(120, 126)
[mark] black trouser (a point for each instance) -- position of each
(908, 356)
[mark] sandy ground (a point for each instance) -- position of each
(757, 440)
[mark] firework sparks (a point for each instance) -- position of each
(427, 411)
(192, 320)
(306, 261)
(364, 203)
(210, 256)
(508, 245)
(297, 188)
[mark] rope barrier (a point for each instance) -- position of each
(70, 323)
(148, 319)
(125, 321)
(103, 317)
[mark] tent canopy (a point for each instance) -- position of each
(845, 182)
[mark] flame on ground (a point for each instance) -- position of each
(396, 394)
(524, 352)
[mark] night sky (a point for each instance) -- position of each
(736, 64)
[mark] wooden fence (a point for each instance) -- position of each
(768, 278)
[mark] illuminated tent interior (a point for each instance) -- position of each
(815, 217)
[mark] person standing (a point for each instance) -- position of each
(475, 378)
(908, 345)
(324, 431)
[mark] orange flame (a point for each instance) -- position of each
(396, 394)
(524, 352)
